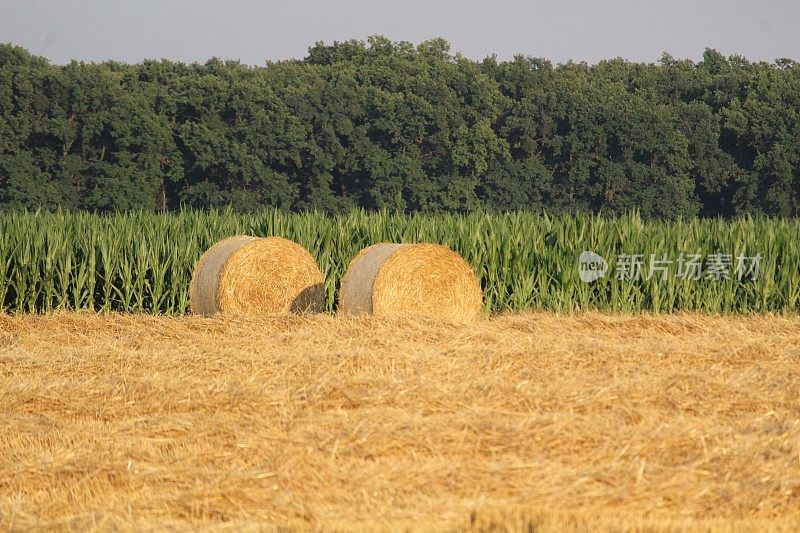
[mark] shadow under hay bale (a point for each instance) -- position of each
(390, 279)
(308, 301)
(252, 276)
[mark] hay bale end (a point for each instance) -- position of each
(252, 276)
(390, 279)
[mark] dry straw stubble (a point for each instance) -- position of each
(246, 275)
(390, 279)
(545, 422)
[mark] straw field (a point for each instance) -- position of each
(536, 421)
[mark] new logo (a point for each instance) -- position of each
(591, 266)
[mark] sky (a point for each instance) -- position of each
(254, 32)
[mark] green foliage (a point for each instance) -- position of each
(142, 262)
(386, 125)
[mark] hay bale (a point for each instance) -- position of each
(253, 276)
(391, 279)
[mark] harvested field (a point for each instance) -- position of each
(556, 422)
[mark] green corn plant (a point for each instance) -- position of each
(142, 262)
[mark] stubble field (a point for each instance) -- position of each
(544, 421)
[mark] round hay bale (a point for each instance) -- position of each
(391, 279)
(253, 276)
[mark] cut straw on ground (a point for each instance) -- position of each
(552, 422)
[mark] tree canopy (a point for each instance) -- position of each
(389, 125)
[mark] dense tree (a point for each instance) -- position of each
(389, 125)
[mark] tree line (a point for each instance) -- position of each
(389, 125)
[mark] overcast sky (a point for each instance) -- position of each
(254, 32)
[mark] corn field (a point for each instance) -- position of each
(142, 262)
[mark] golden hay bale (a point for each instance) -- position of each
(391, 279)
(253, 276)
